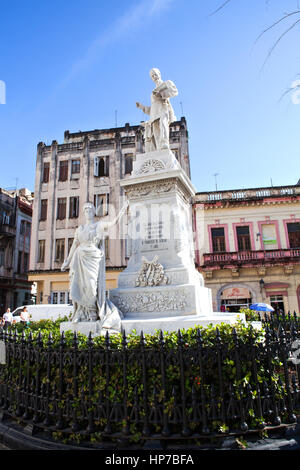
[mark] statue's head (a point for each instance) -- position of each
(155, 74)
(89, 209)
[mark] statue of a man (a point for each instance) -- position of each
(161, 113)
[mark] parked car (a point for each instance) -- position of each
(44, 311)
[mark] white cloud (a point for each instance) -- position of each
(132, 20)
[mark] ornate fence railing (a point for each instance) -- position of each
(139, 390)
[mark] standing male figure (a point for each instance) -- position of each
(7, 318)
(161, 113)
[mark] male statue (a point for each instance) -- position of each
(161, 113)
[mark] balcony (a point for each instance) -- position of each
(251, 258)
(7, 230)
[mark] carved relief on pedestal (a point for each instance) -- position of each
(150, 166)
(151, 302)
(151, 274)
(151, 188)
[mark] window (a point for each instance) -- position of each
(243, 238)
(41, 251)
(74, 207)
(58, 297)
(269, 237)
(28, 229)
(22, 227)
(20, 264)
(44, 205)
(60, 250)
(61, 208)
(101, 203)
(46, 168)
(70, 243)
(25, 262)
(294, 234)
(101, 166)
(128, 163)
(63, 170)
(277, 302)
(106, 241)
(75, 167)
(2, 256)
(218, 239)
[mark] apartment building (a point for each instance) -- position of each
(87, 166)
(15, 228)
(247, 246)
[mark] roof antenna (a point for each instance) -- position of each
(116, 117)
(215, 175)
(181, 108)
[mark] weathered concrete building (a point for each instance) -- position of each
(15, 229)
(87, 166)
(247, 246)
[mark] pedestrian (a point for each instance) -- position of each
(7, 318)
(24, 317)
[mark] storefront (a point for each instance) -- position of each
(235, 298)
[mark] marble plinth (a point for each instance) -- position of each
(172, 301)
(152, 162)
(165, 324)
(170, 324)
(84, 327)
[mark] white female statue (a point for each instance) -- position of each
(86, 261)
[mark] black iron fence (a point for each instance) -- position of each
(212, 385)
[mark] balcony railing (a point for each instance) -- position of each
(251, 257)
(7, 229)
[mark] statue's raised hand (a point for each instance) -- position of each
(65, 265)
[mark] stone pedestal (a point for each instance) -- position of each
(84, 327)
(160, 285)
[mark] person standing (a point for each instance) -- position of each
(7, 318)
(24, 317)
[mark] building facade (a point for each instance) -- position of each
(87, 166)
(247, 246)
(15, 229)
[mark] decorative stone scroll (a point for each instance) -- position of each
(151, 274)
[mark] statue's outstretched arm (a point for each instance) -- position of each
(107, 225)
(145, 109)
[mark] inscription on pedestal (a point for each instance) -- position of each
(154, 237)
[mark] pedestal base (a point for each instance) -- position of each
(169, 324)
(84, 327)
(157, 301)
(165, 324)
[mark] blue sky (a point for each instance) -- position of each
(70, 64)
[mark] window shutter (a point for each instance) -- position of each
(96, 166)
(77, 206)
